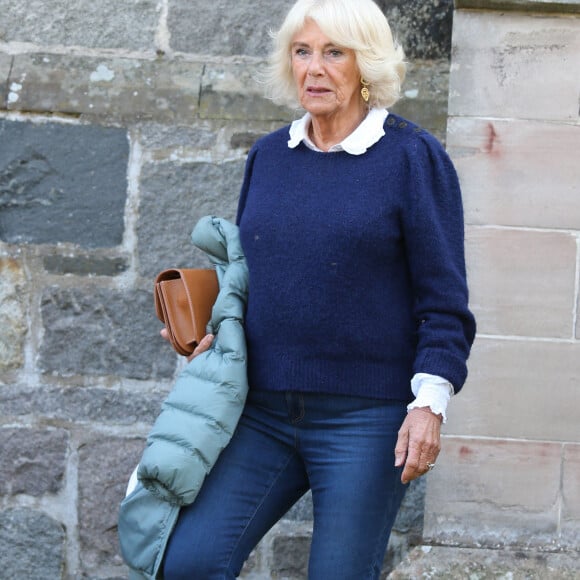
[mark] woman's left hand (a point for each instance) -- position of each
(419, 443)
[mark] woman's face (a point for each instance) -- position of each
(326, 75)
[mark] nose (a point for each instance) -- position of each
(316, 64)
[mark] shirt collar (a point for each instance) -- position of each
(364, 136)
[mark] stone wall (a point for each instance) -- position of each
(509, 475)
(122, 123)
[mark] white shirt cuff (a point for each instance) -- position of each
(431, 391)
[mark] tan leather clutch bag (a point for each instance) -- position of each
(184, 299)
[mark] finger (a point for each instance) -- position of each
(203, 345)
(402, 445)
(412, 468)
(164, 333)
(426, 463)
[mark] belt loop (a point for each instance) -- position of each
(295, 403)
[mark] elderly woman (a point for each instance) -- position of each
(357, 323)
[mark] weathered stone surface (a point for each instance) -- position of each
(13, 300)
(81, 404)
(476, 564)
(173, 198)
(522, 282)
(224, 27)
(95, 331)
(5, 65)
(251, 567)
(200, 135)
(512, 171)
(398, 548)
(423, 28)
(105, 465)
(62, 183)
(542, 6)
(85, 265)
(115, 88)
(32, 545)
(498, 59)
(229, 28)
(232, 92)
(204, 139)
(410, 517)
(570, 496)
(32, 461)
(425, 93)
(245, 139)
(577, 334)
(107, 24)
(494, 493)
(290, 556)
(510, 375)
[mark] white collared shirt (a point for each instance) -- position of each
(364, 136)
(430, 390)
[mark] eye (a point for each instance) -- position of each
(301, 52)
(335, 52)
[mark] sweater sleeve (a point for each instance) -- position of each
(434, 238)
(246, 183)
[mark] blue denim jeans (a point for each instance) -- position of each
(286, 443)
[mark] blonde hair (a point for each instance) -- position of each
(356, 24)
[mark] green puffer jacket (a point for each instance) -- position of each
(198, 417)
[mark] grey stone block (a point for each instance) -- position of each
(245, 139)
(105, 465)
(85, 265)
(570, 518)
(32, 461)
(424, 96)
(460, 563)
(224, 27)
(290, 557)
(161, 138)
(5, 66)
(13, 300)
(96, 331)
(423, 28)
(498, 57)
(113, 88)
(535, 6)
(232, 92)
(410, 517)
(174, 197)
(81, 404)
(104, 24)
(62, 183)
(31, 545)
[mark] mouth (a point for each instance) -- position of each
(317, 91)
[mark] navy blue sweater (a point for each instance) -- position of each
(357, 271)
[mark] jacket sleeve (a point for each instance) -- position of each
(200, 414)
(434, 238)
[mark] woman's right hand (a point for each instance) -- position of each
(203, 345)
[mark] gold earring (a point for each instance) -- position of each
(365, 94)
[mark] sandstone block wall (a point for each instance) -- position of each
(122, 123)
(509, 474)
